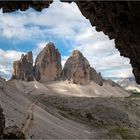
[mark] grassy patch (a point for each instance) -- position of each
(125, 133)
(134, 93)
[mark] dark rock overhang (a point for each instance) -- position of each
(23, 5)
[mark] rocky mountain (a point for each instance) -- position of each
(96, 77)
(129, 84)
(77, 69)
(48, 64)
(23, 68)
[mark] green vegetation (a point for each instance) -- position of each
(135, 93)
(125, 133)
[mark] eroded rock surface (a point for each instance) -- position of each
(23, 68)
(77, 69)
(96, 77)
(48, 64)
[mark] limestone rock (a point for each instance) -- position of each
(48, 64)
(23, 68)
(2, 122)
(77, 69)
(96, 77)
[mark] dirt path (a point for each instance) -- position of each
(29, 118)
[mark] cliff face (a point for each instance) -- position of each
(23, 68)
(48, 64)
(96, 77)
(78, 70)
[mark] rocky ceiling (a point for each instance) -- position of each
(120, 20)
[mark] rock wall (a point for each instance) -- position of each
(23, 68)
(48, 64)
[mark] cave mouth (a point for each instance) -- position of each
(70, 29)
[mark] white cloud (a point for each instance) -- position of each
(6, 62)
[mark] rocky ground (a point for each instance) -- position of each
(65, 110)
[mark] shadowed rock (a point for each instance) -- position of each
(96, 77)
(10, 6)
(48, 64)
(23, 68)
(2, 122)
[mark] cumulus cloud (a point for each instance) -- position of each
(65, 22)
(6, 62)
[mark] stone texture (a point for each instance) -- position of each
(2, 122)
(23, 68)
(96, 77)
(10, 5)
(48, 64)
(77, 69)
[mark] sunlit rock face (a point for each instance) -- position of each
(2, 122)
(10, 6)
(77, 69)
(23, 68)
(48, 64)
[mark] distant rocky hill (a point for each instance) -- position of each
(129, 84)
(77, 69)
(48, 67)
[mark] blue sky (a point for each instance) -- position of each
(64, 25)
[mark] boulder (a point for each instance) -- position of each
(23, 68)
(48, 64)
